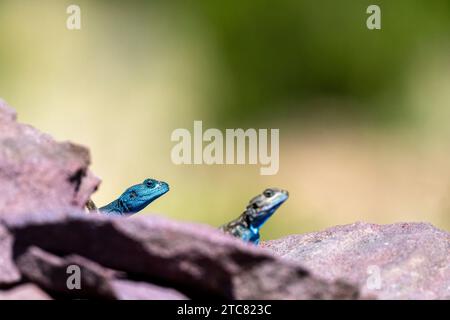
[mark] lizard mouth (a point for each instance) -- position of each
(160, 189)
(163, 187)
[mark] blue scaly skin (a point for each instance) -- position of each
(134, 199)
(259, 209)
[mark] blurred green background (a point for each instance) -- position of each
(363, 115)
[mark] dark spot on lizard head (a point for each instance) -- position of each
(133, 195)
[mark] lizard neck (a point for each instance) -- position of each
(253, 234)
(260, 221)
(114, 207)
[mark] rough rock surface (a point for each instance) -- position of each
(194, 257)
(8, 270)
(51, 272)
(42, 173)
(132, 290)
(397, 261)
(24, 292)
(6, 112)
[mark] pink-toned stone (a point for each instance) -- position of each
(6, 112)
(413, 259)
(132, 290)
(8, 271)
(24, 292)
(192, 256)
(38, 173)
(51, 272)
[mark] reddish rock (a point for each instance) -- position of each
(8, 271)
(37, 173)
(132, 290)
(24, 292)
(6, 112)
(196, 257)
(397, 261)
(53, 273)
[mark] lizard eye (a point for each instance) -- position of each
(133, 195)
(150, 183)
(268, 193)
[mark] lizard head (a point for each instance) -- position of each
(261, 207)
(141, 195)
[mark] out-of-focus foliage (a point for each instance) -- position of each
(278, 56)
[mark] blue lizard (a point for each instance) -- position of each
(134, 199)
(259, 209)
